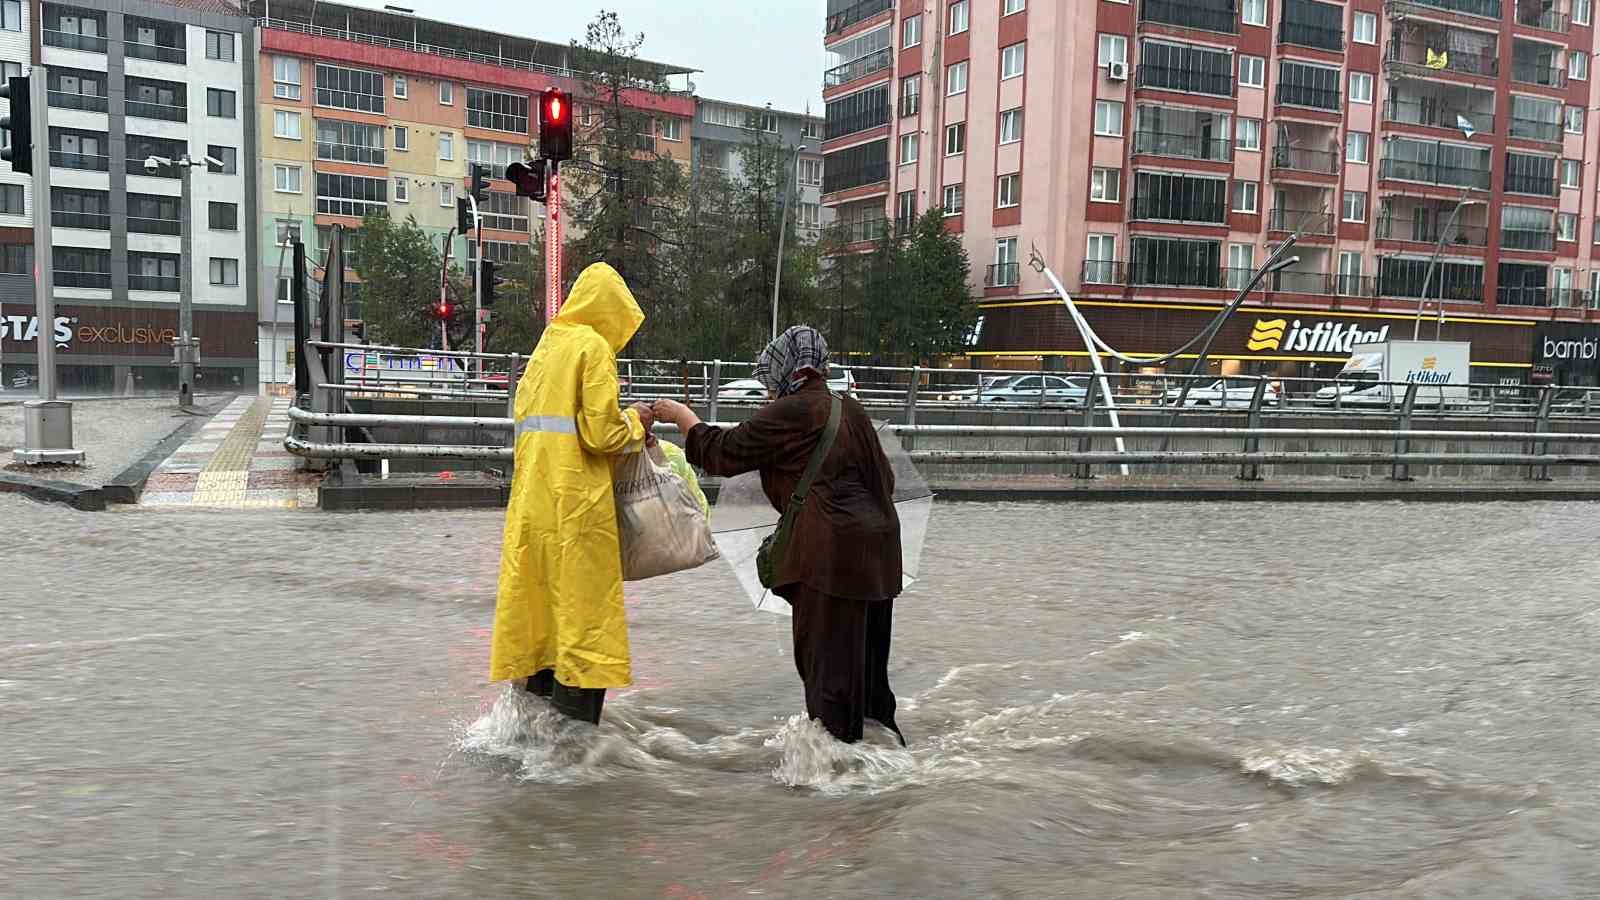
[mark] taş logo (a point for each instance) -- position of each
(1587, 348)
(1323, 337)
(26, 328)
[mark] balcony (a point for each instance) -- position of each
(136, 167)
(1538, 72)
(874, 62)
(1175, 198)
(83, 102)
(71, 40)
(1303, 221)
(87, 162)
(1308, 96)
(1438, 113)
(1532, 239)
(1536, 130)
(1104, 271)
(1213, 16)
(1533, 184)
(1167, 275)
(860, 12)
(1299, 159)
(171, 284)
(1487, 9)
(1534, 296)
(863, 230)
(1433, 173)
(1537, 15)
(61, 218)
(1412, 58)
(158, 52)
(164, 112)
(1318, 37)
(855, 122)
(82, 279)
(1182, 146)
(142, 225)
(1186, 79)
(1428, 228)
(1003, 275)
(1292, 282)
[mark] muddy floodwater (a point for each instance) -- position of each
(1225, 700)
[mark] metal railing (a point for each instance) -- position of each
(1413, 57)
(1180, 145)
(1543, 19)
(1221, 18)
(143, 225)
(88, 162)
(1528, 239)
(856, 122)
(66, 278)
(1288, 281)
(84, 102)
(1488, 9)
(166, 112)
(1104, 271)
(872, 63)
(165, 283)
(1433, 173)
(1437, 115)
(864, 230)
(157, 52)
(1002, 275)
(850, 15)
(1428, 230)
(61, 218)
(1184, 80)
(1309, 97)
(858, 176)
(1298, 159)
(1536, 130)
(910, 105)
(375, 156)
(71, 40)
(1318, 37)
(1538, 73)
(1304, 221)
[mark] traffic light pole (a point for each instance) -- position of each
(477, 290)
(552, 246)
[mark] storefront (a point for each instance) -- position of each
(1567, 354)
(104, 349)
(1288, 343)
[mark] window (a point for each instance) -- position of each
(402, 138)
(958, 16)
(1566, 227)
(1357, 147)
(811, 215)
(1366, 28)
(400, 87)
(221, 104)
(1360, 87)
(1108, 118)
(286, 125)
(905, 210)
(910, 95)
(1581, 11)
(1536, 119)
(447, 147)
(1241, 265)
(11, 15)
(1005, 262)
(1105, 185)
(447, 93)
(285, 78)
(1246, 197)
(1011, 61)
(1355, 206)
(11, 199)
(1253, 12)
(497, 111)
(811, 171)
(16, 259)
(224, 272)
(672, 129)
(910, 32)
(219, 45)
(1252, 71)
(1099, 261)
(153, 272)
(288, 233)
(505, 211)
(1013, 6)
(812, 128)
(224, 216)
(1185, 67)
(1113, 49)
(954, 198)
(1177, 262)
(355, 89)
(1300, 84)
(1007, 191)
(228, 156)
(1349, 273)
(908, 149)
(1162, 196)
(1011, 126)
(286, 179)
(351, 195)
(956, 79)
(1578, 66)
(1574, 120)
(350, 142)
(955, 139)
(1571, 173)
(1249, 135)
(447, 194)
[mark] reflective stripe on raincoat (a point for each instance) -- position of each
(559, 603)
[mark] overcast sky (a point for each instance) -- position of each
(749, 51)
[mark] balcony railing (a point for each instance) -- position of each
(142, 225)
(1539, 73)
(1172, 275)
(850, 15)
(71, 40)
(1488, 9)
(1312, 97)
(856, 122)
(1304, 221)
(82, 279)
(1184, 80)
(62, 218)
(870, 173)
(1156, 207)
(1528, 296)
(1182, 146)
(166, 112)
(136, 167)
(910, 106)
(870, 64)
(1223, 18)
(1535, 16)
(1287, 282)
(1003, 275)
(1437, 115)
(1413, 56)
(88, 162)
(158, 52)
(1536, 130)
(84, 102)
(1434, 173)
(1535, 239)
(864, 230)
(374, 156)
(1532, 185)
(1298, 159)
(1104, 271)
(1316, 36)
(167, 283)
(1428, 230)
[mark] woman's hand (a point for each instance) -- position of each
(676, 413)
(647, 418)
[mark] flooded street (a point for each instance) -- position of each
(1153, 700)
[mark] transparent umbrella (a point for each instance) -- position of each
(743, 517)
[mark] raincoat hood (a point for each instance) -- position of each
(601, 300)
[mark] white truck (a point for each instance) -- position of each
(1376, 374)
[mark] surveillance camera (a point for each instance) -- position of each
(151, 166)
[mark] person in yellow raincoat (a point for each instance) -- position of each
(558, 617)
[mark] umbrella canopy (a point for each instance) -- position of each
(743, 517)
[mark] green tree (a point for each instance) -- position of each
(517, 317)
(918, 304)
(399, 269)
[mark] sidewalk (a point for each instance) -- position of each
(236, 461)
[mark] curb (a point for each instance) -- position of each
(128, 484)
(77, 496)
(1287, 493)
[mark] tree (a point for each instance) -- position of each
(399, 269)
(915, 293)
(517, 320)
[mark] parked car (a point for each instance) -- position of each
(843, 383)
(1017, 390)
(1225, 392)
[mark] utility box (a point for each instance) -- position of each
(47, 433)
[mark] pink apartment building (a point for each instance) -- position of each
(1154, 151)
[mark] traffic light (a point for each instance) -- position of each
(555, 125)
(463, 215)
(529, 179)
(441, 310)
(480, 184)
(490, 281)
(20, 123)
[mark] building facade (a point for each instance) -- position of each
(130, 82)
(1157, 157)
(722, 130)
(364, 109)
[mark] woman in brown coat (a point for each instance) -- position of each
(841, 571)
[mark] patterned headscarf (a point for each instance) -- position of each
(797, 356)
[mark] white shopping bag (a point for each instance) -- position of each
(660, 521)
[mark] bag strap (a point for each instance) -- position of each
(829, 432)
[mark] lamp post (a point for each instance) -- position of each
(783, 226)
(186, 348)
(1427, 279)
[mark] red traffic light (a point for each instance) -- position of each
(554, 109)
(441, 310)
(555, 126)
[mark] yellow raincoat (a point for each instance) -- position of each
(560, 599)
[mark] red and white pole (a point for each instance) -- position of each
(552, 247)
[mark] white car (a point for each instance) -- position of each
(1226, 392)
(1017, 390)
(843, 383)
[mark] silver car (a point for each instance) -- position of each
(1026, 390)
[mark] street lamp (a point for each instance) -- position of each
(1416, 326)
(186, 349)
(783, 223)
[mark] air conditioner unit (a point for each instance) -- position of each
(1117, 71)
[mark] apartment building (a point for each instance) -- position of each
(723, 129)
(129, 81)
(1156, 151)
(363, 109)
